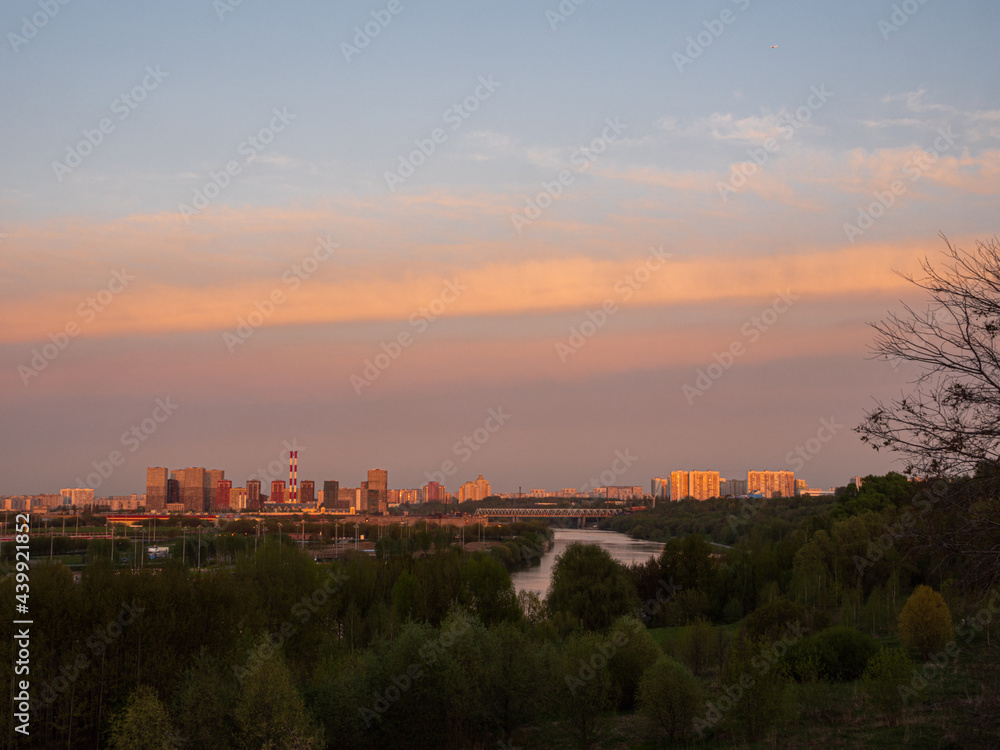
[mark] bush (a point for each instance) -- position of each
(885, 674)
(837, 654)
(765, 702)
(635, 652)
(925, 622)
(771, 620)
(671, 696)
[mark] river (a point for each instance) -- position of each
(621, 547)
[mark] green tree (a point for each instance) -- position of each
(143, 723)
(766, 688)
(270, 712)
(671, 696)
(583, 691)
(487, 588)
(925, 622)
(591, 586)
(635, 651)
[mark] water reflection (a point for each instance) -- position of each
(621, 547)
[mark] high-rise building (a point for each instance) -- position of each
(78, 496)
(331, 494)
(212, 477)
(277, 491)
(435, 492)
(680, 485)
(253, 494)
(771, 483)
(194, 489)
(378, 481)
(346, 498)
(474, 490)
(156, 488)
(222, 493)
(173, 492)
(704, 484)
(307, 492)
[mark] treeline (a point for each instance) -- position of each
(431, 648)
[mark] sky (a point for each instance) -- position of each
(556, 244)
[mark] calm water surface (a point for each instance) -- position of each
(621, 547)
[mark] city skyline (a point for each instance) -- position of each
(446, 236)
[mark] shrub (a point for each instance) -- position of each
(837, 654)
(771, 620)
(635, 652)
(765, 702)
(885, 674)
(671, 696)
(925, 622)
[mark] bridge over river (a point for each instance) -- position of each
(581, 515)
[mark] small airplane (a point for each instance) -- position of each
(774, 46)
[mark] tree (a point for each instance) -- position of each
(885, 679)
(270, 712)
(591, 586)
(582, 689)
(143, 724)
(671, 696)
(765, 688)
(948, 425)
(925, 622)
(635, 652)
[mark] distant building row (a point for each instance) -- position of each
(702, 485)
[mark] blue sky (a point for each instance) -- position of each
(208, 84)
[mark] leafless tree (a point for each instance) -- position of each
(947, 427)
